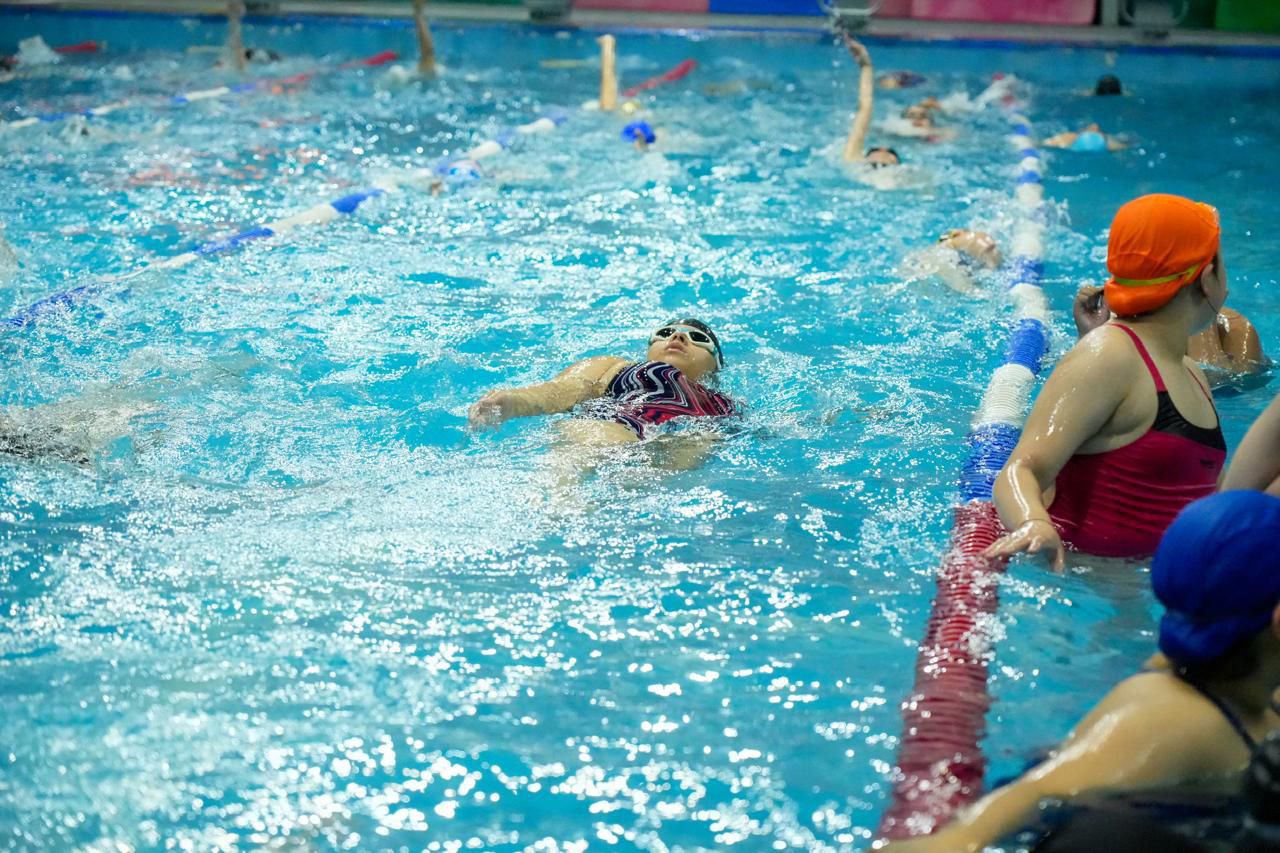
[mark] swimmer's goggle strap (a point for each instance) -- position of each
(1146, 282)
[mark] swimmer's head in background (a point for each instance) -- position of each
(878, 158)
(900, 80)
(1159, 244)
(1108, 84)
(639, 131)
(978, 245)
(699, 334)
(919, 115)
(1217, 573)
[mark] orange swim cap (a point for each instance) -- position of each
(1159, 244)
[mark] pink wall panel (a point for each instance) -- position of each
(895, 9)
(1006, 11)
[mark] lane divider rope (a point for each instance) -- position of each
(184, 98)
(462, 168)
(940, 760)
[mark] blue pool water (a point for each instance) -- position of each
(292, 600)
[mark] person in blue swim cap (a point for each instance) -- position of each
(1194, 716)
(641, 134)
(1091, 139)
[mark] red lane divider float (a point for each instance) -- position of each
(940, 762)
(678, 73)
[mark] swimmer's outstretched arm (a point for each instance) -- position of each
(1123, 744)
(854, 145)
(576, 384)
(235, 41)
(1071, 409)
(1256, 464)
(1061, 140)
(426, 46)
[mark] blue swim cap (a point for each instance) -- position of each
(639, 130)
(1090, 141)
(1217, 572)
(464, 170)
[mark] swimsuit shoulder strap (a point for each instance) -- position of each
(1228, 714)
(1146, 357)
(1203, 390)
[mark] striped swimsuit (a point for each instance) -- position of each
(652, 393)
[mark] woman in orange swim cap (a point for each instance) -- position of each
(1124, 433)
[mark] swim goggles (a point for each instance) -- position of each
(696, 337)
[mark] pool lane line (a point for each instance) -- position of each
(183, 98)
(678, 73)
(940, 764)
(79, 47)
(464, 167)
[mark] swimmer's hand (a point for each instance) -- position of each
(1033, 537)
(1089, 310)
(857, 51)
(491, 410)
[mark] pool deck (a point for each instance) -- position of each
(613, 19)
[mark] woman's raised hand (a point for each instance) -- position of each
(857, 50)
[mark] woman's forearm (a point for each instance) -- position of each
(1019, 495)
(545, 398)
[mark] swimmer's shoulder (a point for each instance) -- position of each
(598, 370)
(1107, 349)
(1158, 706)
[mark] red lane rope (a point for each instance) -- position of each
(940, 763)
(678, 73)
(82, 47)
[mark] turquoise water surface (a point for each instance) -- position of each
(292, 600)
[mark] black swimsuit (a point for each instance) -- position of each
(1231, 716)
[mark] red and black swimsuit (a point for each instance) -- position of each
(1119, 503)
(654, 392)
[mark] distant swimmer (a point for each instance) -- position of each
(1230, 347)
(640, 134)
(32, 444)
(1124, 433)
(618, 400)
(1089, 140)
(399, 75)
(426, 44)
(883, 167)
(235, 54)
(958, 256)
(917, 122)
(899, 80)
(1108, 84)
